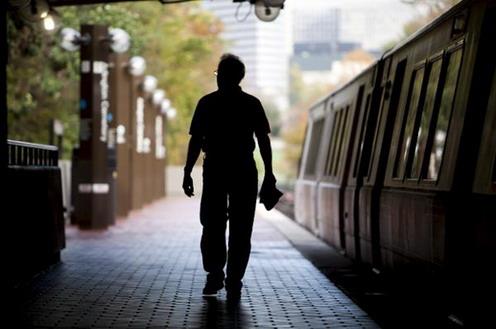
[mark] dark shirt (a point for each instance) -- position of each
(226, 121)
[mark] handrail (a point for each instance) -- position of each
(31, 154)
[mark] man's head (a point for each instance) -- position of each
(230, 71)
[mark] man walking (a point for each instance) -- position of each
(223, 127)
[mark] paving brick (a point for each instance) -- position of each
(146, 272)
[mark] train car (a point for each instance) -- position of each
(429, 163)
(326, 153)
(346, 108)
(406, 180)
(359, 240)
(400, 163)
(310, 169)
(437, 204)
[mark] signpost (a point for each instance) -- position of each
(121, 107)
(94, 159)
(148, 149)
(120, 136)
(159, 153)
(137, 101)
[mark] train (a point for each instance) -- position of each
(398, 165)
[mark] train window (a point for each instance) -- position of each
(337, 147)
(444, 114)
(377, 124)
(408, 122)
(314, 145)
(398, 83)
(362, 130)
(343, 131)
(425, 119)
(332, 143)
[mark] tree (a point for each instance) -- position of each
(181, 44)
(302, 97)
(296, 85)
(273, 115)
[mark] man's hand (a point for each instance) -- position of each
(188, 185)
(269, 179)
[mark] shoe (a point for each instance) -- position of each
(212, 287)
(233, 290)
(233, 295)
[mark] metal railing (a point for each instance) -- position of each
(31, 154)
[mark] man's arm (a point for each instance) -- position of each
(194, 149)
(266, 153)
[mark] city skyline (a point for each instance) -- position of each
(313, 34)
(372, 23)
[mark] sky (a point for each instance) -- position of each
(370, 22)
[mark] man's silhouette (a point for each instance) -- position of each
(223, 126)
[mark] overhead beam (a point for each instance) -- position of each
(59, 3)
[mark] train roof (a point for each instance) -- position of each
(319, 102)
(436, 22)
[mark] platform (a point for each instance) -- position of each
(146, 272)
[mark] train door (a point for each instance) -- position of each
(351, 205)
(327, 131)
(329, 200)
(355, 174)
(389, 95)
(305, 189)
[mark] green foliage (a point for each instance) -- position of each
(39, 80)
(180, 43)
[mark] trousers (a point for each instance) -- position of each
(229, 196)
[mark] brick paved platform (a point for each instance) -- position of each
(146, 272)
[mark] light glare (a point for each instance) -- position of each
(120, 40)
(158, 96)
(149, 83)
(49, 23)
(137, 65)
(69, 39)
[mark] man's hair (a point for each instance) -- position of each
(231, 68)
